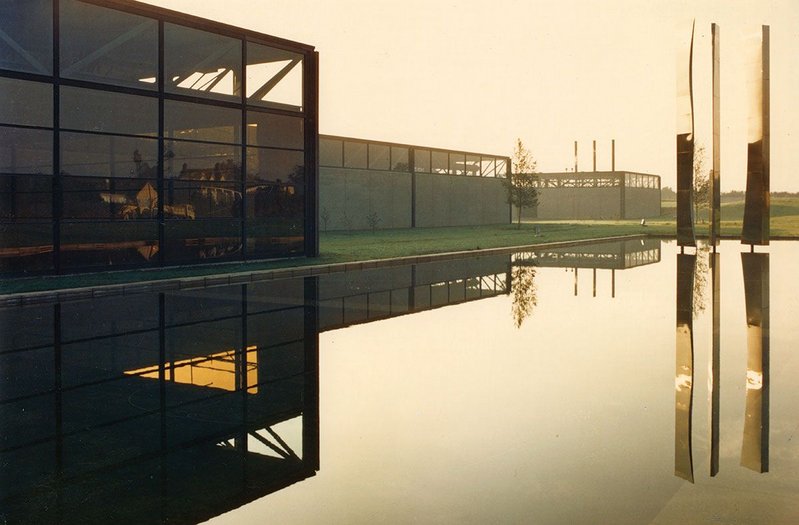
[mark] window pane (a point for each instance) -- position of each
(184, 120)
(502, 168)
(272, 238)
(330, 153)
(24, 49)
(111, 198)
(272, 199)
(399, 158)
(277, 131)
(472, 166)
(202, 240)
(440, 163)
(94, 244)
(106, 45)
(108, 155)
(26, 247)
(26, 103)
(421, 160)
(488, 167)
(186, 199)
(26, 151)
(201, 161)
(275, 165)
(274, 77)
(354, 154)
(457, 162)
(200, 63)
(99, 111)
(379, 157)
(26, 197)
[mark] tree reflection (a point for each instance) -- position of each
(524, 292)
(701, 273)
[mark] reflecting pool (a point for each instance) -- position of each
(602, 383)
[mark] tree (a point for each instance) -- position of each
(701, 184)
(521, 182)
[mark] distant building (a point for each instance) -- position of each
(597, 195)
(134, 136)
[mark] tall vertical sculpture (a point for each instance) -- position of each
(755, 446)
(684, 371)
(757, 206)
(715, 175)
(685, 146)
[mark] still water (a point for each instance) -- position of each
(604, 383)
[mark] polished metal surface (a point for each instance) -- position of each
(755, 447)
(757, 207)
(685, 147)
(684, 372)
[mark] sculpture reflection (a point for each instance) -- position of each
(755, 448)
(714, 376)
(684, 373)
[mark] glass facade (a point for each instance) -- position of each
(138, 137)
(342, 152)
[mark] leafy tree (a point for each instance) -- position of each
(521, 182)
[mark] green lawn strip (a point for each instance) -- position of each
(343, 247)
(340, 247)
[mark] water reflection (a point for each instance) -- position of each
(755, 448)
(714, 374)
(755, 445)
(171, 407)
(684, 375)
(179, 406)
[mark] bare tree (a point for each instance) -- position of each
(521, 182)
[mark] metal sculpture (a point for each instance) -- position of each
(685, 147)
(757, 206)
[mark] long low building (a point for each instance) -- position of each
(597, 195)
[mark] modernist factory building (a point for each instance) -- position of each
(133, 136)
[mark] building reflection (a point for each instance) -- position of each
(755, 448)
(161, 407)
(182, 405)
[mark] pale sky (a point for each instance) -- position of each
(474, 75)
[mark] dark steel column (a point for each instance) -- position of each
(311, 105)
(56, 187)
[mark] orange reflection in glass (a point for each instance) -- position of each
(212, 371)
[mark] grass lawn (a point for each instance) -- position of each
(338, 247)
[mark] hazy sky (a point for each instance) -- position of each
(474, 75)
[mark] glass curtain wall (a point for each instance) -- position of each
(136, 137)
